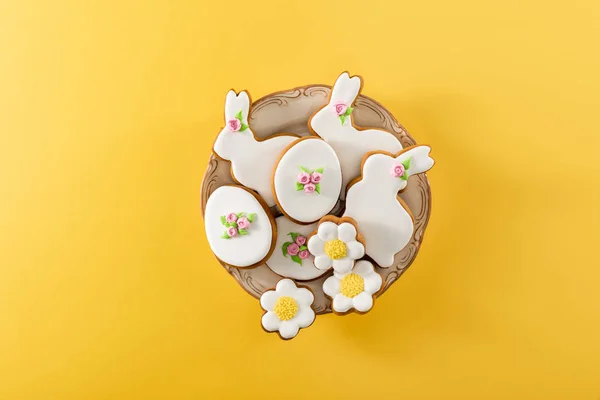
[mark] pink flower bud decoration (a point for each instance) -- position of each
(309, 188)
(243, 223)
(293, 249)
(398, 170)
(232, 232)
(234, 124)
(303, 178)
(231, 217)
(304, 254)
(315, 177)
(300, 240)
(340, 108)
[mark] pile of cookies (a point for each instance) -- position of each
(335, 195)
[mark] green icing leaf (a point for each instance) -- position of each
(305, 169)
(242, 231)
(239, 214)
(232, 224)
(343, 118)
(225, 235)
(297, 259)
(404, 177)
(251, 217)
(348, 111)
(318, 188)
(303, 248)
(299, 186)
(284, 248)
(294, 235)
(319, 170)
(406, 163)
(223, 220)
(239, 115)
(243, 127)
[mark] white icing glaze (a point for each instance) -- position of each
(372, 202)
(252, 161)
(329, 231)
(242, 250)
(285, 266)
(349, 143)
(311, 153)
(363, 301)
(304, 316)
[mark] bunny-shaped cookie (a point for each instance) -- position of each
(334, 123)
(373, 202)
(252, 160)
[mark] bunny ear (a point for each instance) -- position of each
(234, 104)
(230, 105)
(345, 89)
(416, 160)
(244, 103)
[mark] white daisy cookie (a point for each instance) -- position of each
(288, 309)
(354, 289)
(336, 244)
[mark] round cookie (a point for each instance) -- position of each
(290, 262)
(239, 227)
(307, 180)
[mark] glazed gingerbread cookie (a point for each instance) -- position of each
(372, 200)
(307, 180)
(252, 160)
(335, 124)
(336, 244)
(353, 290)
(291, 257)
(239, 226)
(288, 309)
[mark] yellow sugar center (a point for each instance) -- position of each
(335, 249)
(285, 308)
(352, 285)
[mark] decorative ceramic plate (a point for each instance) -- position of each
(289, 112)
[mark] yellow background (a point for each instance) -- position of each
(108, 110)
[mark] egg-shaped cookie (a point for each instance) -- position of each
(291, 258)
(307, 180)
(239, 227)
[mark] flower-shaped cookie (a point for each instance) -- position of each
(288, 309)
(353, 289)
(336, 245)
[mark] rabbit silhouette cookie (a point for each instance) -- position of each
(334, 123)
(372, 200)
(252, 160)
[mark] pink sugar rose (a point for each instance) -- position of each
(303, 178)
(309, 188)
(231, 217)
(243, 223)
(234, 124)
(293, 249)
(304, 254)
(398, 170)
(232, 232)
(316, 177)
(300, 240)
(340, 108)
